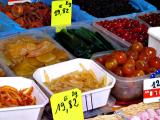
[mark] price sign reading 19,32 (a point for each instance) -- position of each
(151, 90)
(67, 105)
(61, 13)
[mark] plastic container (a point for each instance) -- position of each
(51, 31)
(89, 98)
(127, 90)
(32, 112)
(146, 13)
(111, 35)
(114, 37)
(35, 33)
(154, 38)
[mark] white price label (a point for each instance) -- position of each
(151, 90)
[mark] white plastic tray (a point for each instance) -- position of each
(154, 38)
(91, 99)
(33, 112)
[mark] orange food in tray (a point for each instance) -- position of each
(29, 15)
(11, 97)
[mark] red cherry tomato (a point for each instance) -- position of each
(137, 46)
(103, 59)
(118, 71)
(141, 65)
(111, 63)
(150, 52)
(120, 56)
(138, 73)
(155, 62)
(132, 54)
(143, 56)
(129, 67)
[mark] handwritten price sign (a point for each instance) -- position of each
(61, 13)
(151, 91)
(67, 105)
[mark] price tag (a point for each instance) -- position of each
(67, 105)
(11, 2)
(151, 90)
(61, 13)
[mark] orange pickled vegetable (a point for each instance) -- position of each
(11, 97)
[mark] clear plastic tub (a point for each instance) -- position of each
(32, 112)
(111, 35)
(146, 13)
(89, 98)
(126, 89)
(34, 33)
(51, 31)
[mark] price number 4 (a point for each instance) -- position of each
(156, 84)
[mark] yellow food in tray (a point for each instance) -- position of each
(84, 80)
(24, 54)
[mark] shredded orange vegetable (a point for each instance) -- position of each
(11, 97)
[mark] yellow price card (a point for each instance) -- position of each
(61, 13)
(67, 105)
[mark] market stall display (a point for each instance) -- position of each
(120, 51)
(26, 52)
(124, 30)
(106, 8)
(73, 66)
(32, 111)
(29, 15)
(152, 19)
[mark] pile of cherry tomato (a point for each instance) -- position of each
(136, 61)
